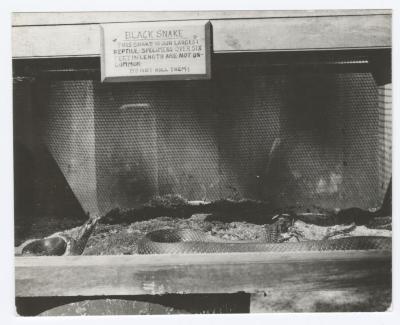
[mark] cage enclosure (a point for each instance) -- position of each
(299, 125)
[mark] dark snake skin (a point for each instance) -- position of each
(187, 241)
(60, 244)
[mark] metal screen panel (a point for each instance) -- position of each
(323, 125)
(210, 140)
(66, 121)
(359, 95)
(188, 158)
(154, 139)
(293, 137)
(51, 167)
(248, 106)
(126, 145)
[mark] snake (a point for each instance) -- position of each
(191, 241)
(60, 243)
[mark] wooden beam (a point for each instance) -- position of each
(195, 273)
(55, 41)
(99, 17)
(229, 35)
(303, 33)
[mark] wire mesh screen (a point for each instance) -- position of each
(291, 137)
(301, 138)
(187, 144)
(361, 139)
(249, 108)
(67, 125)
(155, 139)
(50, 185)
(126, 145)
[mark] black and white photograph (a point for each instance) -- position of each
(201, 161)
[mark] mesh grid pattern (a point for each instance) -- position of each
(68, 132)
(249, 108)
(312, 149)
(47, 197)
(154, 139)
(126, 145)
(324, 126)
(119, 144)
(361, 138)
(186, 141)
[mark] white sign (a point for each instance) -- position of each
(155, 51)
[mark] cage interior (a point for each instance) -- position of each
(296, 129)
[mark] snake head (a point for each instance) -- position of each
(92, 221)
(78, 244)
(88, 227)
(60, 243)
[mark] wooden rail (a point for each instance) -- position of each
(200, 274)
(100, 17)
(303, 32)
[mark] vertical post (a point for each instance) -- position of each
(382, 73)
(385, 135)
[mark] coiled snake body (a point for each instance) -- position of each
(181, 241)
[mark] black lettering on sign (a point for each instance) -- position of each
(175, 33)
(138, 35)
(184, 55)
